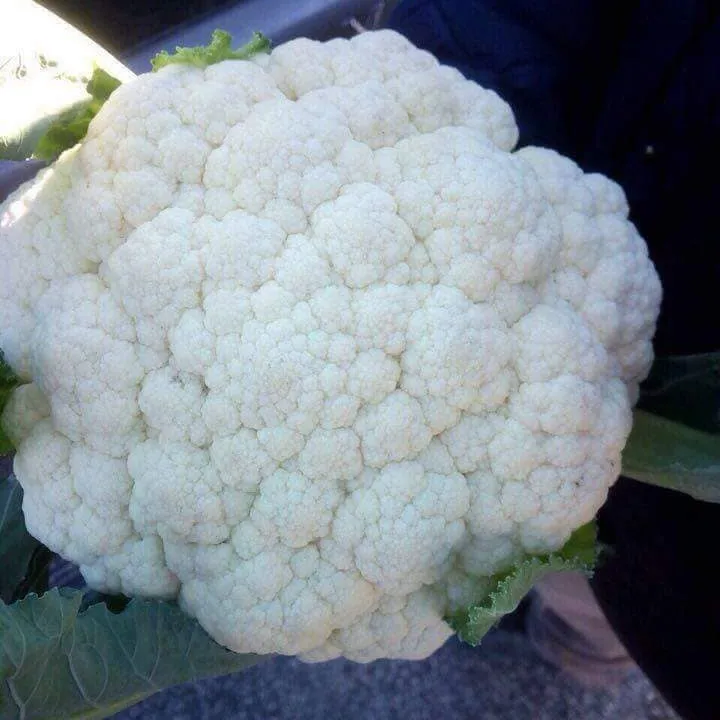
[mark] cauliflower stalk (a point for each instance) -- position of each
(309, 346)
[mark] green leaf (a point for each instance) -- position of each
(102, 85)
(59, 663)
(17, 546)
(675, 439)
(8, 382)
(685, 389)
(218, 49)
(675, 456)
(72, 126)
(509, 588)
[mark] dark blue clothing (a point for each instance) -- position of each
(627, 88)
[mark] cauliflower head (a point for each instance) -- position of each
(311, 348)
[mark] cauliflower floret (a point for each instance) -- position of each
(312, 350)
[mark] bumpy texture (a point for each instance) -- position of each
(313, 350)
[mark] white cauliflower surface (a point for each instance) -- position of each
(313, 350)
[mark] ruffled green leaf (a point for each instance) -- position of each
(218, 49)
(57, 662)
(509, 588)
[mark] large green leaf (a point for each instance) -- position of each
(59, 663)
(675, 440)
(510, 587)
(666, 453)
(17, 546)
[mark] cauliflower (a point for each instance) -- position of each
(311, 348)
